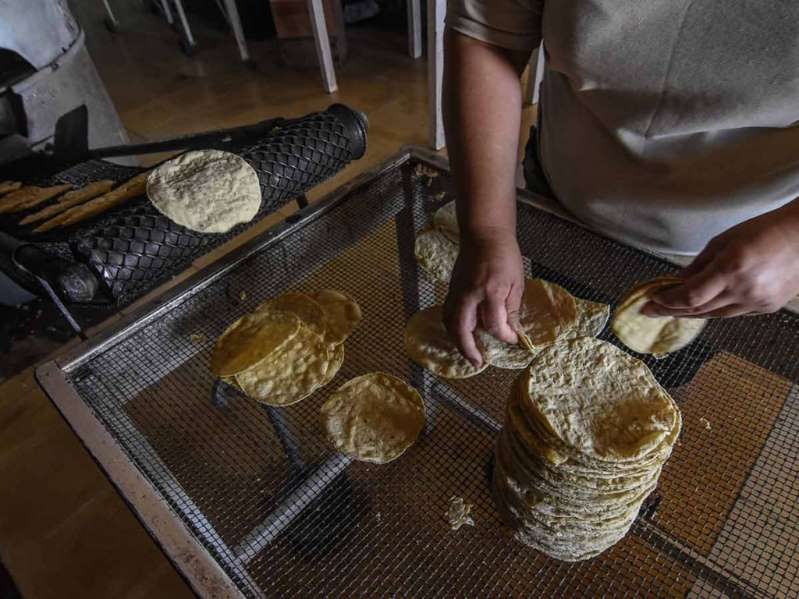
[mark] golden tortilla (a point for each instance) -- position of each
(374, 417)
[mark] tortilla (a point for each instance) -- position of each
(291, 372)
(658, 335)
(547, 310)
(250, 339)
(591, 319)
(375, 417)
(436, 254)
(342, 314)
(445, 219)
(209, 191)
(308, 310)
(500, 354)
(70, 199)
(429, 345)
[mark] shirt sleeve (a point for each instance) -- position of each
(512, 24)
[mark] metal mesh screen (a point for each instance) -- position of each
(286, 516)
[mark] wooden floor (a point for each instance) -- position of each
(64, 531)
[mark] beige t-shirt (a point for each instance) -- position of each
(664, 122)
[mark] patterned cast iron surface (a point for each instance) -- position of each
(285, 516)
(133, 248)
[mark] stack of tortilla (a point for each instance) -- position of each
(587, 431)
(288, 347)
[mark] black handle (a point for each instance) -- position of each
(72, 281)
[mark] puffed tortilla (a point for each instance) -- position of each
(436, 254)
(304, 307)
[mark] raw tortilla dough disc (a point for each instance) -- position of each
(429, 345)
(374, 417)
(250, 339)
(308, 310)
(658, 335)
(342, 314)
(436, 254)
(445, 220)
(289, 374)
(206, 190)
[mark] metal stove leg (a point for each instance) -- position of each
(436, 9)
(415, 28)
(322, 41)
(233, 19)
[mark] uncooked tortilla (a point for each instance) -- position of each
(209, 191)
(374, 417)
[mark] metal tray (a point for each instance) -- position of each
(251, 501)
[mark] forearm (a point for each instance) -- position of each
(482, 116)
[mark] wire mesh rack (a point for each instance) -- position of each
(260, 493)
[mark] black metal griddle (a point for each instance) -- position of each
(252, 501)
(120, 255)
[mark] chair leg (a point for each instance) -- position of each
(190, 44)
(167, 12)
(111, 22)
(322, 41)
(238, 32)
(436, 9)
(414, 28)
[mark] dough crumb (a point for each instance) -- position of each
(705, 421)
(458, 513)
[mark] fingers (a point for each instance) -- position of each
(493, 312)
(693, 292)
(721, 301)
(461, 323)
(728, 311)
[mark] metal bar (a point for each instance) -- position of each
(436, 9)
(415, 28)
(235, 24)
(322, 42)
(201, 570)
(291, 507)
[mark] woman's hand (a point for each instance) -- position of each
(487, 284)
(752, 268)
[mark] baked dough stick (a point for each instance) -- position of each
(9, 186)
(70, 199)
(28, 197)
(130, 189)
